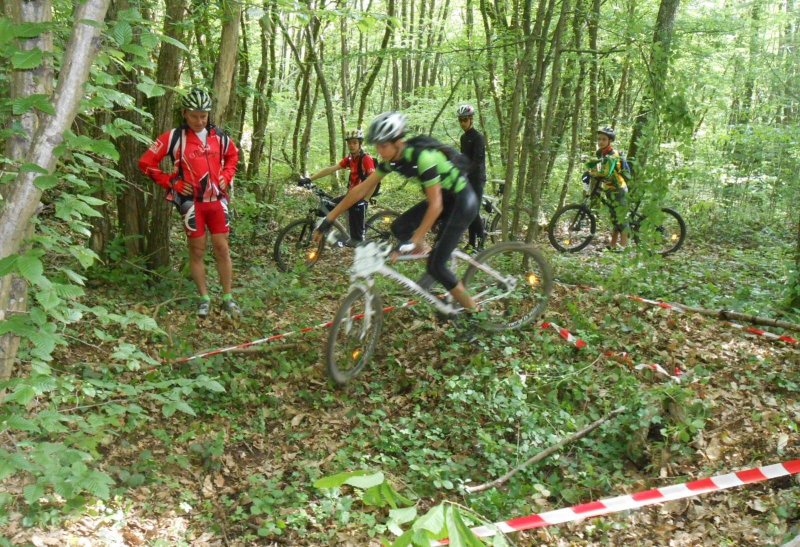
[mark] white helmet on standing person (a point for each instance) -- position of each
(465, 111)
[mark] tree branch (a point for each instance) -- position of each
(546, 453)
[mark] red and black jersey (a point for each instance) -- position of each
(360, 167)
(201, 165)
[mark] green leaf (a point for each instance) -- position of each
(38, 101)
(365, 481)
(97, 484)
(459, 533)
(30, 267)
(6, 30)
(23, 394)
(122, 33)
(398, 517)
(45, 182)
(8, 265)
(27, 59)
(48, 298)
(85, 256)
(21, 423)
(150, 89)
(432, 521)
(173, 42)
(33, 492)
(104, 148)
(335, 481)
(184, 407)
(33, 168)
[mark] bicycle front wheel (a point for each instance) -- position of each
(379, 225)
(493, 232)
(354, 334)
(511, 286)
(294, 246)
(666, 233)
(571, 228)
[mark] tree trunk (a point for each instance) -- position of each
(594, 70)
(376, 68)
(22, 197)
(263, 97)
(659, 64)
(39, 80)
(168, 72)
(311, 38)
(226, 63)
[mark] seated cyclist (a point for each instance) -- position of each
(607, 170)
(361, 166)
(448, 196)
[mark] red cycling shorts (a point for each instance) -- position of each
(211, 214)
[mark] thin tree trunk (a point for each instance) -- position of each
(22, 197)
(659, 64)
(265, 79)
(168, 74)
(226, 63)
(311, 37)
(387, 35)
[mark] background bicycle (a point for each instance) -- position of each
(294, 246)
(573, 227)
(511, 283)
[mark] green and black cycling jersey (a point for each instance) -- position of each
(431, 167)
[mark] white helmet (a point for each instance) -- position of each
(354, 134)
(386, 127)
(197, 99)
(465, 111)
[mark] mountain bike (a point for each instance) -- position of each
(294, 246)
(573, 226)
(510, 282)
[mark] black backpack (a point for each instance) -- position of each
(425, 142)
(362, 173)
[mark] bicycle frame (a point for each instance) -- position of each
(371, 259)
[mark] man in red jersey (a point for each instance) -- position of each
(205, 163)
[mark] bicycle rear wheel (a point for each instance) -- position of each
(294, 246)
(571, 228)
(666, 234)
(379, 225)
(512, 286)
(354, 334)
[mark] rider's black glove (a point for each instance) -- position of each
(305, 182)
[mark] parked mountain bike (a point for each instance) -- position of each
(573, 226)
(510, 282)
(294, 246)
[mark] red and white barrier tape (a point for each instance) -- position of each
(760, 332)
(658, 368)
(680, 308)
(565, 334)
(638, 500)
(281, 336)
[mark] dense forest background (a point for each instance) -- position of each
(95, 299)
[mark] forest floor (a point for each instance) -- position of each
(434, 415)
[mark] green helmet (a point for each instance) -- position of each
(198, 100)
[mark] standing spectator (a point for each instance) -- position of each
(204, 160)
(474, 147)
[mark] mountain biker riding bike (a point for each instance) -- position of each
(607, 171)
(204, 160)
(448, 196)
(473, 146)
(361, 165)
